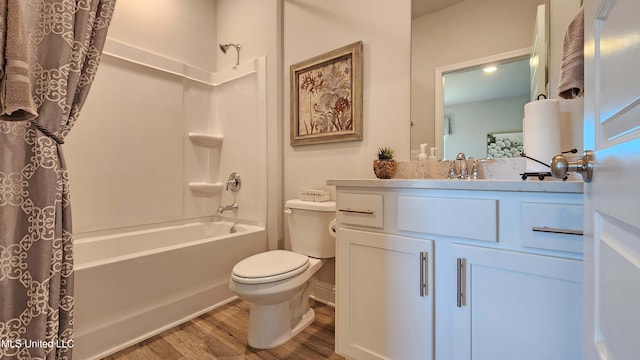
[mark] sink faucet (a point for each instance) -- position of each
(462, 166)
(233, 207)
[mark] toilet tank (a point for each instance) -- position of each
(309, 227)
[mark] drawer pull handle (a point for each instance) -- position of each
(367, 212)
(556, 230)
(461, 297)
(424, 273)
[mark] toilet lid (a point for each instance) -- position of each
(269, 266)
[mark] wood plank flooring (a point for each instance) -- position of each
(221, 334)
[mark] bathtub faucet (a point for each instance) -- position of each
(233, 207)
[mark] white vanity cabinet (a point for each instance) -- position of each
(515, 305)
(386, 302)
(458, 270)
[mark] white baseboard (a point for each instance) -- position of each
(324, 292)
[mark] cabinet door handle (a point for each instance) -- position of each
(424, 273)
(556, 230)
(367, 212)
(462, 282)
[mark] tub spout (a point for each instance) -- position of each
(233, 207)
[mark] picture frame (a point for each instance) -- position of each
(326, 97)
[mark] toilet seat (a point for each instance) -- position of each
(269, 267)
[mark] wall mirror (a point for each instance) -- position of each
(453, 43)
(482, 103)
(446, 32)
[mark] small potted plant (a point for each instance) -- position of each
(385, 166)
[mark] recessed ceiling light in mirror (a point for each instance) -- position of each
(490, 69)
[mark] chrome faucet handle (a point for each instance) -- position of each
(462, 165)
(452, 170)
(474, 170)
(234, 183)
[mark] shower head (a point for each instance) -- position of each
(225, 47)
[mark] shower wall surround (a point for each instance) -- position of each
(133, 164)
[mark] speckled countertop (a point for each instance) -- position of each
(495, 175)
(532, 185)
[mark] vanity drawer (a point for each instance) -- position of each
(552, 226)
(361, 209)
(475, 219)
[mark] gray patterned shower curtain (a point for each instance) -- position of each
(49, 54)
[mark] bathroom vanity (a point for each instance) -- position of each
(454, 269)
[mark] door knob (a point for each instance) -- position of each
(560, 166)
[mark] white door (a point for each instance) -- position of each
(612, 199)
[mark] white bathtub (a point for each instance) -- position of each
(131, 286)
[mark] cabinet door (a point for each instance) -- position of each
(384, 307)
(515, 305)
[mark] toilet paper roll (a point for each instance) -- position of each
(541, 133)
(332, 228)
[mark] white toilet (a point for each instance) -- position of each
(278, 283)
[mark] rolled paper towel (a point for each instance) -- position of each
(541, 133)
(332, 228)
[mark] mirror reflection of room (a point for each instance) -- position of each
(486, 100)
(464, 32)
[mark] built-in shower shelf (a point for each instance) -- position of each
(205, 140)
(206, 187)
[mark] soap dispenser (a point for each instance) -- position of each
(422, 162)
(432, 153)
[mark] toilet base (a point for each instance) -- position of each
(279, 310)
(270, 325)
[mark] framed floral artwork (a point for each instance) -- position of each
(326, 97)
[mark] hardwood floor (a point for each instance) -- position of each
(221, 334)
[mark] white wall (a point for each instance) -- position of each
(315, 27)
(312, 28)
(465, 31)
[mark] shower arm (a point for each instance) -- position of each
(225, 47)
(237, 55)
